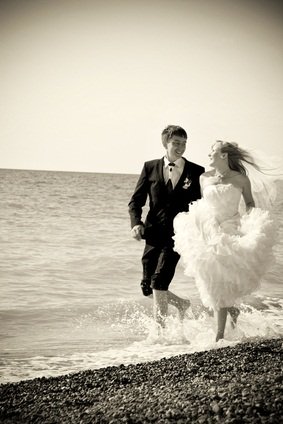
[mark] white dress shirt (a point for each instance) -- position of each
(173, 172)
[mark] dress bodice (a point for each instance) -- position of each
(223, 199)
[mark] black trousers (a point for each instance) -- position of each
(159, 264)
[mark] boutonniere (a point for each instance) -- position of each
(187, 183)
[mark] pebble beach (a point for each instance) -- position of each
(239, 384)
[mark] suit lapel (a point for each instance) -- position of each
(160, 170)
(184, 174)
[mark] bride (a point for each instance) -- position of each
(225, 252)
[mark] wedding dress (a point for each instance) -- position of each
(226, 253)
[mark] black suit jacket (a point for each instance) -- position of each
(163, 207)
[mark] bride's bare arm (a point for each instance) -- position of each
(201, 178)
(247, 193)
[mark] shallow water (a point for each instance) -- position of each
(70, 272)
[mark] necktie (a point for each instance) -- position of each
(169, 184)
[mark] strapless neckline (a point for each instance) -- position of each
(222, 185)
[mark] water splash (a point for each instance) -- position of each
(141, 340)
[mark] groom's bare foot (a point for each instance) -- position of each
(186, 303)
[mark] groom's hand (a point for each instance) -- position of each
(137, 232)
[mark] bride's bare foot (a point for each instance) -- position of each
(234, 313)
(219, 336)
(186, 303)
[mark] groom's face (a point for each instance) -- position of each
(175, 148)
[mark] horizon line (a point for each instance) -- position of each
(56, 170)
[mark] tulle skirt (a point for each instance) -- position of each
(227, 256)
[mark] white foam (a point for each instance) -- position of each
(193, 335)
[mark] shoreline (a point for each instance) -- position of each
(238, 384)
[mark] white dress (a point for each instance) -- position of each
(226, 253)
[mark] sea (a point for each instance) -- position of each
(70, 273)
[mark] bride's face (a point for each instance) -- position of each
(215, 155)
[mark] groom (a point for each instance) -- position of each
(171, 183)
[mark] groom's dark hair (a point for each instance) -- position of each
(172, 130)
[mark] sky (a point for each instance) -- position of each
(89, 85)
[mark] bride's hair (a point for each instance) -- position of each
(236, 157)
(262, 171)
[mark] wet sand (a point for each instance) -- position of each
(240, 384)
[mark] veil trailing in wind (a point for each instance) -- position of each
(263, 180)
